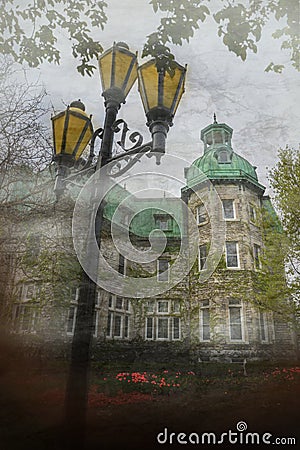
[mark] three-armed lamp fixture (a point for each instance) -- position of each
(160, 89)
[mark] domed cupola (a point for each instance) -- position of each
(219, 161)
(217, 136)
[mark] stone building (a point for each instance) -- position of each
(203, 318)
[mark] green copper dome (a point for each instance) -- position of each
(219, 161)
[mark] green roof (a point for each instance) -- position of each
(208, 165)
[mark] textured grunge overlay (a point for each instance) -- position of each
(149, 186)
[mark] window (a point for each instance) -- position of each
(162, 306)
(202, 256)
(176, 328)
(71, 319)
(256, 256)
(117, 325)
(126, 326)
(263, 327)
(162, 223)
(25, 318)
(121, 268)
(163, 267)
(150, 306)
(149, 327)
(126, 304)
(228, 209)
(205, 321)
(223, 157)
(119, 302)
(252, 213)
(235, 318)
(118, 317)
(162, 328)
(232, 259)
(201, 214)
(161, 322)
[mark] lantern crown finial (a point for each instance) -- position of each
(78, 104)
(122, 44)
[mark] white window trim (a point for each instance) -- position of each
(172, 326)
(241, 307)
(234, 209)
(120, 336)
(121, 313)
(146, 337)
(168, 322)
(201, 323)
(237, 253)
(163, 312)
(259, 255)
(265, 326)
(199, 262)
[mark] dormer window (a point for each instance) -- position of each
(162, 221)
(223, 156)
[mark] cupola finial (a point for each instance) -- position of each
(215, 118)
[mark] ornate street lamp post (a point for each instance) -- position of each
(161, 91)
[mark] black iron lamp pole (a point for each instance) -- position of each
(72, 130)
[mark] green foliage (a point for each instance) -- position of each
(285, 181)
(30, 33)
(272, 290)
(241, 27)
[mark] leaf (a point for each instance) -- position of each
(154, 5)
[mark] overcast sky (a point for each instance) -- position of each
(262, 108)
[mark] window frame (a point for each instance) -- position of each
(252, 213)
(233, 209)
(201, 265)
(263, 326)
(205, 306)
(256, 256)
(199, 215)
(154, 329)
(236, 254)
(167, 320)
(238, 306)
(114, 311)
